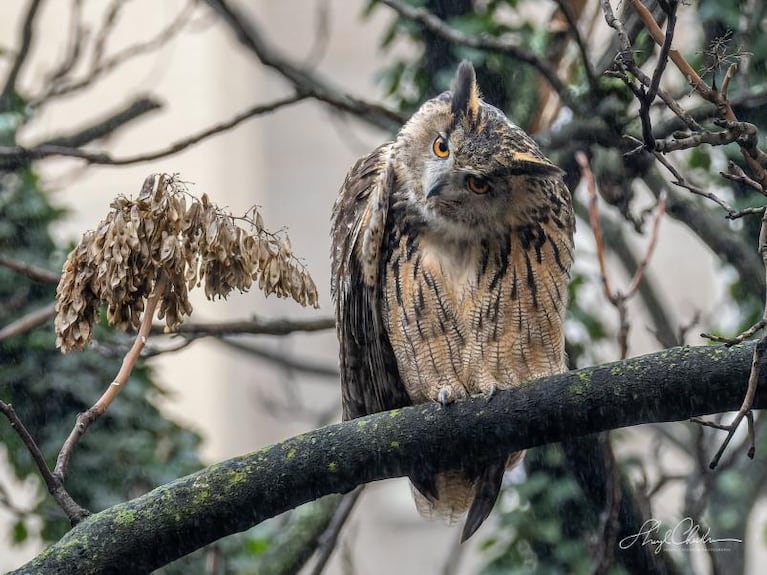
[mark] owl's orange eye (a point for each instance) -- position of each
(477, 185)
(440, 148)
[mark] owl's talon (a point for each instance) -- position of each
(445, 397)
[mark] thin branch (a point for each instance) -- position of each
(106, 126)
(28, 322)
(682, 183)
(108, 23)
(755, 158)
(304, 81)
(616, 298)
(32, 272)
(736, 174)
(567, 10)
(26, 42)
(730, 341)
(282, 326)
(55, 487)
(664, 50)
(282, 360)
(327, 541)
(660, 209)
(489, 44)
(78, 35)
(646, 96)
(757, 366)
(101, 66)
(85, 419)
(684, 141)
(14, 156)
(596, 228)
(657, 34)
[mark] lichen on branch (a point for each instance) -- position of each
(166, 230)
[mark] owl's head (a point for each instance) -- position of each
(468, 168)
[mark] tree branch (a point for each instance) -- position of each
(304, 81)
(88, 417)
(232, 496)
(34, 273)
(489, 44)
(28, 322)
(105, 127)
(282, 326)
(12, 157)
(295, 542)
(26, 42)
(55, 486)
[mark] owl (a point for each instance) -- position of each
(451, 256)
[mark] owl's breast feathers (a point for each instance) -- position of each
(480, 314)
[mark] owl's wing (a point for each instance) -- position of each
(369, 378)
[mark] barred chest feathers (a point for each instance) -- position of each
(474, 315)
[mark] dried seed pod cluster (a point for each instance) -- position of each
(192, 242)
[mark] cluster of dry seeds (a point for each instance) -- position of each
(168, 233)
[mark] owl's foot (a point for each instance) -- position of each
(445, 396)
(486, 392)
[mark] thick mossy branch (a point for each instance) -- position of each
(231, 496)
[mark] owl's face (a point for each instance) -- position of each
(468, 168)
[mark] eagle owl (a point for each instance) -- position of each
(451, 256)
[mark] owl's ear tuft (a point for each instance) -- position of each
(465, 93)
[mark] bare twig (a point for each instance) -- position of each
(640, 271)
(304, 81)
(28, 322)
(684, 141)
(13, 156)
(32, 272)
(327, 541)
(736, 174)
(282, 326)
(490, 44)
(646, 95)
(282, 359)
(616, 298)
(106, 126)
(755, 158)
(54, 484)
(609, 524)
(758, 361)
(572, 21)
(78, 35)
(730, 341)
(26, 42)
(101, 66)
(85, 419)
(682, 183)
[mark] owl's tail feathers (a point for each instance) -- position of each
(445, 496)
(449, 495)
(486, 491)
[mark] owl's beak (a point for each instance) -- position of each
(436, 188)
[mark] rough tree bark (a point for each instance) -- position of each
(232, 496)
